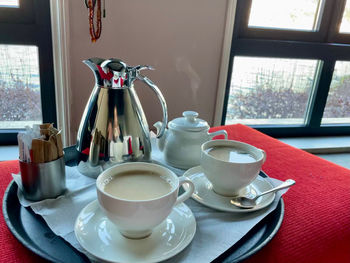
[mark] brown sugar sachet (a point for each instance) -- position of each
(53, 153)
(49, 147)
(45, 126)
(47, 130)
(38, 149)
(59, 144)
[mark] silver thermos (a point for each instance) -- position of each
(113, 127)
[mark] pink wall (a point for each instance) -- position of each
(182, 39)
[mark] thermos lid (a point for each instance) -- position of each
(114, 73)
(189, 122)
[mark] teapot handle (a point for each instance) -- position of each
(220, 132)
(161, 99)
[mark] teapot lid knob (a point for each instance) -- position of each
(190, 115)
(189, 122)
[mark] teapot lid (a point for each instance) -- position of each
(189, 122)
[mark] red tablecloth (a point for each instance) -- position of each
(316, 225)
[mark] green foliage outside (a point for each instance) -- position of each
(268, 102)
(19, 103)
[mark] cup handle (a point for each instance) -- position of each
(187, 194)
(264, 155)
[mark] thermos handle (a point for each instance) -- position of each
(162, 102)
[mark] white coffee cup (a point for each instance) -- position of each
(136, 218)
(228, 177)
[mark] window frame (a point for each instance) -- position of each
(326, 45)
(33, 29)
(24, 14)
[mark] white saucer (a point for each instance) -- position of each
(101, 239)
(205, 195)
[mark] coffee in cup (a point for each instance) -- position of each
(230, 165)
(230, 154)
(138, 185)
(137, 196)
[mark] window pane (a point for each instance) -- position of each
(285, 14)
(345, 23)
(20, 103)
(337, 108)
(270, 90)
(9, 3)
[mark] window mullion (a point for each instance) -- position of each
(242, 17)
(335, 20)
(327, 12)
(319, 97)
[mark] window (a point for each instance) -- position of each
(9, 3)
(337, 108)
(296, 14)
(262, 88)
(27, 94)
(289, 71)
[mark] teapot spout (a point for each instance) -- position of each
(161, 140)
(94, 65)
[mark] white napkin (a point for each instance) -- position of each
(216, 231)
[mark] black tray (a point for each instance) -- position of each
(32, 231)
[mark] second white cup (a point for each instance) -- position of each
(230, 165)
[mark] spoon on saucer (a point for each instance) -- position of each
(246, 202)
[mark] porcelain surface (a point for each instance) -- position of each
(229, 177)
(137, 218)
(103, 242)
(205, 195)
(182, 142)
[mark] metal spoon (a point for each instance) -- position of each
(246, 202)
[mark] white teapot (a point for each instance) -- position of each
(181, 142)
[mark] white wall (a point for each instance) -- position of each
(182, 39)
